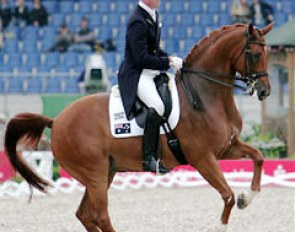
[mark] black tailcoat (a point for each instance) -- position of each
(141, 52)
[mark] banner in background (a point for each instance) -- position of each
(55, 104)
(6, 170)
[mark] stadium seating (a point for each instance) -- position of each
(53, 84)
(70, 59)
(32, 59)
(66, 7)
(10, 46)
(71, 85)
(34, 85)
(52, 59)
(26, 49)
(85, 7)
(51, 6)
(16, 85)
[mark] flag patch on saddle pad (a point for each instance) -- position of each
(122, 128)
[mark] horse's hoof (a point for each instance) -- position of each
(218, 228)
(242, 202)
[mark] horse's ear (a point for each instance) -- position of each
(267, 28)
(251, 29)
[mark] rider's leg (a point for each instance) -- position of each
(147, 92)
(150, 142)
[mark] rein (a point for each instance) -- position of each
(189, 88)
(250, 77)
(207, 76)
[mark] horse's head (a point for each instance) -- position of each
(252, 63)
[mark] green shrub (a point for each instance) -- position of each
(269, 144)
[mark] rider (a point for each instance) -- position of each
(143, 61)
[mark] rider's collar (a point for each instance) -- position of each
(152, 12)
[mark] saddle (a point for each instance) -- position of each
(121, 127)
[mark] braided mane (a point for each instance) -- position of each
(202, 46)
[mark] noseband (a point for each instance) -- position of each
(249, 76)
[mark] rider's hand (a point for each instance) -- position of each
(175, 63)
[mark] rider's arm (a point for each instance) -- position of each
(136, 37)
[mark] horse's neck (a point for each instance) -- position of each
(216, 59)
(214, 94)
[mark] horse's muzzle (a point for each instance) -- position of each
(262, 93)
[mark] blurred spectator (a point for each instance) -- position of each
(84, 39)
(240, 11)
(21, 13)
(261, 13)
(38, 15)
(5, 13)
(63, 40)
(94, 77)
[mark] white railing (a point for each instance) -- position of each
(42, 162)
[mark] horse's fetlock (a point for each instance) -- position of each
(229, 199)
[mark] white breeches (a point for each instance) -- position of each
(147, 91)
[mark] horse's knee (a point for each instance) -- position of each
(259, 159)
(260, 162)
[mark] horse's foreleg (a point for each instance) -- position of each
(243, 150)
(208, 167)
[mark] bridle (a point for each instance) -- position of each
(250, 77)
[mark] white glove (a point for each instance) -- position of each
(176, 63)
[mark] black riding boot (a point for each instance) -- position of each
(150, 142)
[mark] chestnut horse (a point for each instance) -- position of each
(83, 145)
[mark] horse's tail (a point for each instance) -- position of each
(29, 127)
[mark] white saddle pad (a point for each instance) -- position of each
(121, 127)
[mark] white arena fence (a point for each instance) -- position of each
(138, 180)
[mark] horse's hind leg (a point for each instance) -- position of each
(83, 214)
(208, 167)
(99, 208)
(93, 212)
